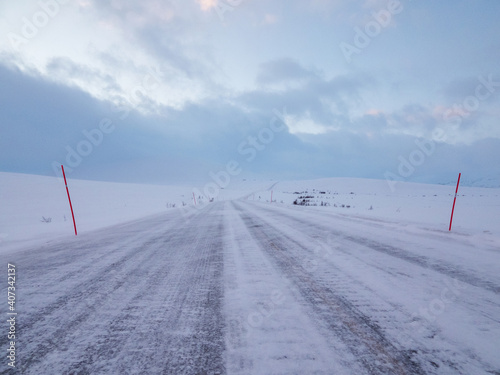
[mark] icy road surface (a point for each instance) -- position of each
(246, 288)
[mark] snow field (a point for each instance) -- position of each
(246, 286)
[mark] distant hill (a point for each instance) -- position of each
(484, 182)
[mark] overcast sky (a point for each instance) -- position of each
(171, 91)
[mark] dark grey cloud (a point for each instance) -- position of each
(415, 117)
(327, 101)
(41, 120)
(458, 90)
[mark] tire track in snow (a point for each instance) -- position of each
(364, 338)
(126, 314)
(269, 328)
(75, 304)
(430, 341)
(446, 269)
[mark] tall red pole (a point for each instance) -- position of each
(194, 199)
(454, 201)
(69, 199)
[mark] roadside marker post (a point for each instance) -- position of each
(69, 199)
(454, 201)
(194, 199)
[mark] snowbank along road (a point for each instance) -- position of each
(249, 288)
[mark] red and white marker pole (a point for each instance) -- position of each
(69, 198)
(271, 196)
(454, 201)
(194, 199)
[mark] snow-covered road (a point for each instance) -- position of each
(145, 297)
(250, 288)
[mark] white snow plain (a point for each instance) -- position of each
(365, 280)
(26, 199)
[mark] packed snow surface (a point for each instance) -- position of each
(357, 277)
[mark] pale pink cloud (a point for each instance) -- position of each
(270, 19)
(85, 4)
(206, 5)
(441, 112)
(374, 112)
